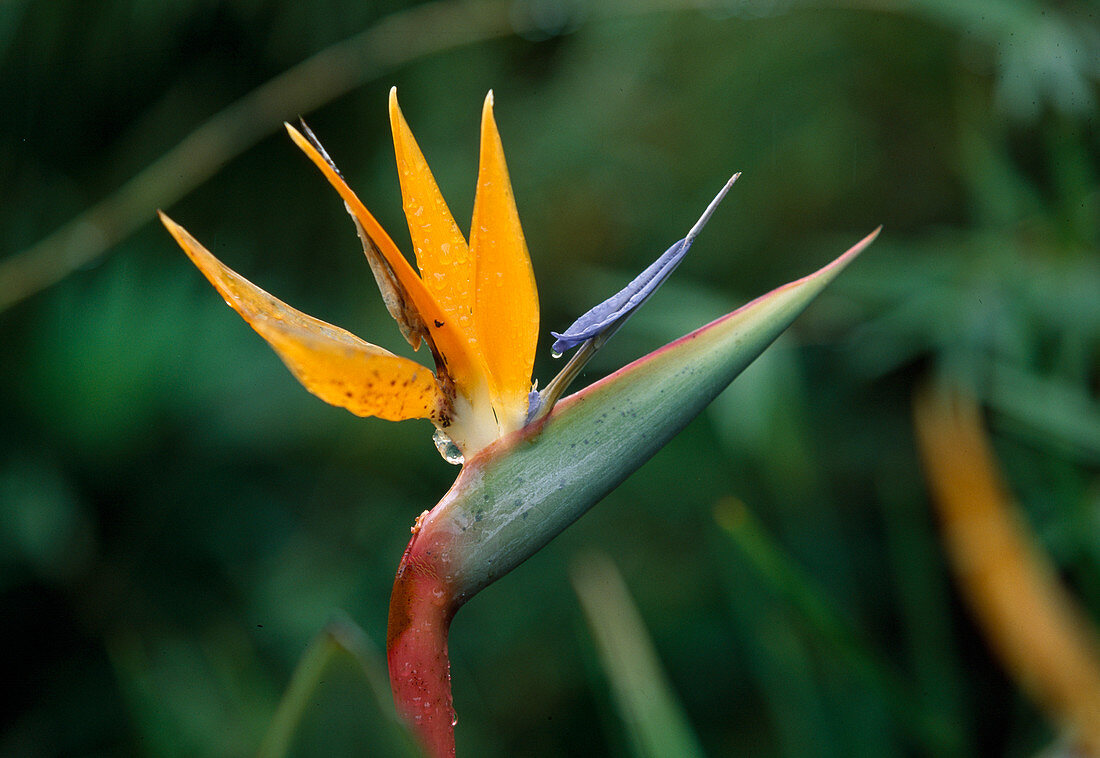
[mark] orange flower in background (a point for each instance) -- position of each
(1040, 633)
(475, 305)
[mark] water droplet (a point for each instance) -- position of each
(555, 354)
(447, 448)
(454, 719)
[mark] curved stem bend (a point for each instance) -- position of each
(421, 609)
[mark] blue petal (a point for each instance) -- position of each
(616, 308)
(534, 404)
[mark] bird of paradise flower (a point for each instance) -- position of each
(476, 308)
(474, 305)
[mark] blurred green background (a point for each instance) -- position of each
(178, 518)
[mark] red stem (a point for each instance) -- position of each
(421, 609)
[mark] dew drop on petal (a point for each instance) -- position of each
(447, 448)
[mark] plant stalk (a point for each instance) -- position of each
(421, 609)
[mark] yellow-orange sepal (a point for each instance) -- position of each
(409, 301)
(330, 362)
(507, 303)
(444, 259)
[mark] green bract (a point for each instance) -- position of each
(523, 491)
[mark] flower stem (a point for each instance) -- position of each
(421, 609)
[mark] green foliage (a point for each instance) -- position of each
(652, 716)
(178, 519)
(338, 702)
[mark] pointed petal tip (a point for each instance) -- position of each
(488, 119)
(395, 108)
(297, 136)
(308, 143)
(206, 262)
(711, 207)
(181, 235)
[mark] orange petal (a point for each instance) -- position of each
(412, 305)
(395, 276)
(330, 362)
(507, 304)
(446, 266)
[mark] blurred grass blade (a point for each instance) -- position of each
(651, 713)
(925, 603)
(783, 575)
(1034, 625)
(810, 602)
(182, 696)
(780, 660)
(340, 642)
